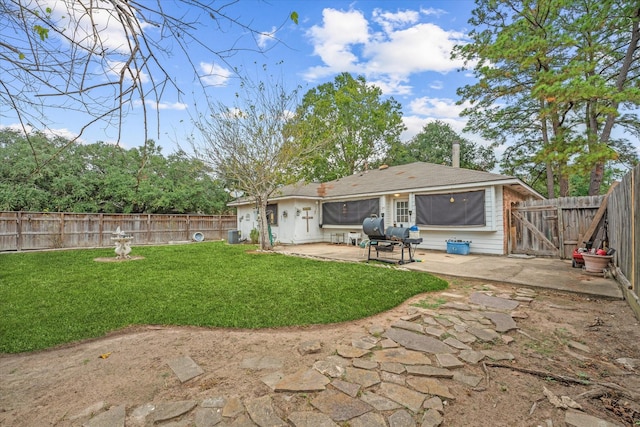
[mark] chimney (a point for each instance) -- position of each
(455, 154)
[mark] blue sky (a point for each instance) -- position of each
(401, 46)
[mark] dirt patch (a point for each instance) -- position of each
(568, 336)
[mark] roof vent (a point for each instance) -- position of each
(383, 167)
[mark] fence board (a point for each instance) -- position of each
(42, 230)
(624, 224)
(552, 227)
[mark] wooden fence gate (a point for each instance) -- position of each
(554, 227)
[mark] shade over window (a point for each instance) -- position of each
(451, 209)
(352, 212)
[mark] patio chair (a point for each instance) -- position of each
(364, 245)
(352, 238)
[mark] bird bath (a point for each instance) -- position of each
(122, 241)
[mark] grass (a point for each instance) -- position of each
(51, 298)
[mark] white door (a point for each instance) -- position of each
(401, 213)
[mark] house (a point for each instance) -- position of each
(444, 202)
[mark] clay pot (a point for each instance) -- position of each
(596, 263)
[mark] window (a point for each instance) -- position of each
(451, 209)
(402, 212)
(272, 214)
(352, 212)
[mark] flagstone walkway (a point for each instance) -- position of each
(400, 374)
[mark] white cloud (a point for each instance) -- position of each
(334, 40)
(266, 37)
(389, 21)
(432, 11)
(346, 42)
(436, 107)
(436, 84)
(62, 132)
(415, 124)
(214, 74)
(115, 67)
(174, 106)
(81, 27)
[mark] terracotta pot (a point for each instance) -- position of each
(596, 263)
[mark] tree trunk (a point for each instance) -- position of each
(597, 172)
(548, 164)
(263, 222)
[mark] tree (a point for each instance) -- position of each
(103, 177)
(433, 144)
(104, 57)
(554, 78)
(249, 146)
(354, 126)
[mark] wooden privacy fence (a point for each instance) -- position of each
(623, 215)
(551, 227)
(40, 230)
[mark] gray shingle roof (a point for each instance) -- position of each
(412, 176)
(397, 179)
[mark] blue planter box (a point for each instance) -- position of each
(460, 248)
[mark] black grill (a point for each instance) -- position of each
(386, 241)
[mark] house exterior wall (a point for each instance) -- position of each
(292, 221)
(492, 238)
(484, 240)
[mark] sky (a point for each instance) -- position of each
(401, 46)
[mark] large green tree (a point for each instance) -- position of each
(352, 122)
(555, 77)
(434, 144)
(103, 177)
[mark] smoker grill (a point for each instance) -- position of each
(384, 242)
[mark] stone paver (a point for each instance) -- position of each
(363, 377)
(409, 326)
(429, 371)
(168, 410)
(401, 418)
(471, 356)
(208, 417)
(185, 368)
(430, 386)
(262, 413)
(326, 367)
(303, 380)
(449, 361)
(370, 419)
(311, 419)
(340, 407)
(350, 351)
(497, 303)
(431, 418)
(580, 419)
(504, 322)
(408, 398)
(401, 355)
(418, 342)
(348, 388)
(379, 403)
(114, 417)
(484, 334)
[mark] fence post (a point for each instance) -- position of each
(19, 231)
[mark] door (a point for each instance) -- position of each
(401, 213)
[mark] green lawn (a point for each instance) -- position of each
(50, 298)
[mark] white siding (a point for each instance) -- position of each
(484, 240)
(292, 229)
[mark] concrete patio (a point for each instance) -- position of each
(535, 272)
